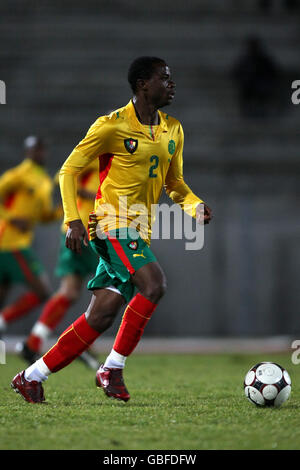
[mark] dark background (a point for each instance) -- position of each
(65, 63)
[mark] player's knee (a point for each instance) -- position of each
(155, 291)
(106, 321)
(100, 324)
(70, 288)
(43, 294)
(71, 294)
(101, 320)
(42, 288)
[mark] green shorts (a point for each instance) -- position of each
(69, 262)
(120, 257)
(19, 266)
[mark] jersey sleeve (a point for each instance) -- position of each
(175, 186)
(9, 182)
(48, 212)
(92, 146)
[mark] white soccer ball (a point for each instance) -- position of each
(267, 384)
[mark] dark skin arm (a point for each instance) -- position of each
(203, 214)
(76, 231)
(75, 234)
(21, 223)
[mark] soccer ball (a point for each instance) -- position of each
(267, 384)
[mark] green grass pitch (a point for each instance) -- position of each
(178, 401)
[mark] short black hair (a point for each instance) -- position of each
(142, 68)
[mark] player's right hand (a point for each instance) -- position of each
(75, 234)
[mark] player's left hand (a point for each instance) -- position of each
(203, 214)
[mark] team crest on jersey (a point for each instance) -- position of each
(131, 145)
(133, 245)
(171, 147)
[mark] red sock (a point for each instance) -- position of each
(73, 341)
(54, 310)
(135, 318)
(52, 314)
(34, 342)
(23, 305)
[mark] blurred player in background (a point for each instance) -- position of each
(140, 152)
(72, 268)
(25, 200)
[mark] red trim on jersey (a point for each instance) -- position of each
(7, 203)
(2, 229)
(105, 162)
(24, 265)
(151, 133)
(85, 177)
(120, 252)
(9, 200)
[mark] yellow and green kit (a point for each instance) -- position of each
(136, 162)
(25, 192)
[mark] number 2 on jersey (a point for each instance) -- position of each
(155, 160)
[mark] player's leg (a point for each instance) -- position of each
(99, 316)
(5, 284)
(103, 308)
(71, 268)
(24, 267)
(52, 314)
(134, 264)
(133, 261)
(4, 290)
(151, 284)
(5, 276)
(34, 296)
(151, 281)
(68, 294)
(39, 284)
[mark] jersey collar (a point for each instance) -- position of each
(31, 165)
(136, 125)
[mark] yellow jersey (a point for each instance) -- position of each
(135, 163)
(25, 192)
